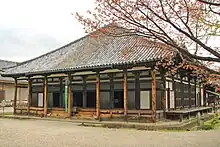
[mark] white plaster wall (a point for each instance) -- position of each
(170, 85)
(145, 100)
(23, 94)
(202, 97)
(166, 99)
(9, 93)
(166, 86)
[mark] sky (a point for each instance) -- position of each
(30, 28)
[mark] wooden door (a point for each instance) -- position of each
(145, 100)
(2, 95)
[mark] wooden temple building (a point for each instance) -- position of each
(108, 77)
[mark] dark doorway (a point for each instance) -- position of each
(118, 99)
(56, 99)
(2, 95)
(34, 100)
(91, 99)
(77, 99)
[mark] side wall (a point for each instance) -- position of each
(22, 93)
(179, 93)
(144, 100)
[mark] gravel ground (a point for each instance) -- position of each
(37, 133)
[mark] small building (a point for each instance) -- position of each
(107, 77)
(7, 89)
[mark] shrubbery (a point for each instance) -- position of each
(212, 124)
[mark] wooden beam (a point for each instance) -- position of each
(111, 82)
(29, 94)
(84, 91)
(125, 93)
(22, 86)
(98, 95)
(20, 79)
(15, 95)
(45, 95)
(70, 106)
(153, 96)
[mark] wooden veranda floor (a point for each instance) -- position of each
(187, 112)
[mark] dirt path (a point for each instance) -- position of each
(37, 133)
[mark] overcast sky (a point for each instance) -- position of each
(29, 28)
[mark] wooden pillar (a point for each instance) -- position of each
(125, 93)
(200, 95)
(153, 96)
(153, 74)
(204, 96)
(168, 98)
(84, 91)
(15, 95)
(111, 80)
(29, 94)
(61, 92)
(174, 89)
(195, 81)
(70, 105)
(163, 100)
(45, 95)
(182, 91)
(137, 90)
(98, 95)
(189, 92)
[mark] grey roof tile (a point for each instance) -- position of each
(89, 52)
(6, 64)
(3, 65)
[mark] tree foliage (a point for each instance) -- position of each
(184, 24)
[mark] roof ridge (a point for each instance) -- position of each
(75, 41)
(4, 64)
(2, 60)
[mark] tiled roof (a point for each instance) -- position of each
(91, 52)
(3, 65)
(6, 64)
